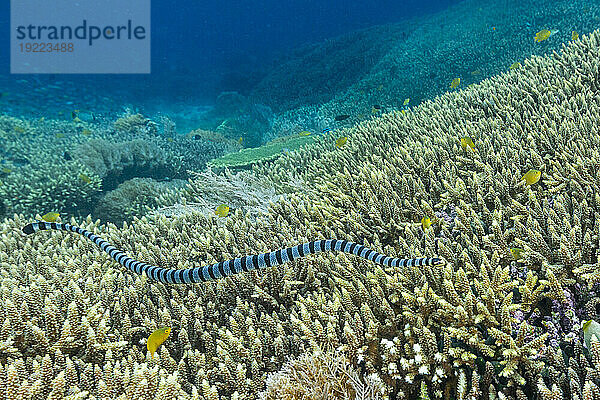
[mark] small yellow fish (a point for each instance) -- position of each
(517, 253)
(341, 141)
(19, 129)
(476, 72)
(41, 119)
(59, 135)
(305, 133)
(455, 82)
(590, 328)
(426, 223)
(50, 217)
(6, 170)
(85, 178)
(241, 141)
(574, 35)
(222, 210)
(156, 339)
(515, 65)
(532, 176)
(170, 140)
(86, 132)
(76, 120)
(542, 35)
(406, 101)
(467, 142)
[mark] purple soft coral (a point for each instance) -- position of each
(448, 214)
(563, 324)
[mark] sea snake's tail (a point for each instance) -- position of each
(236, 265)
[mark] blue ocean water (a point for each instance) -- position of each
(200, 49)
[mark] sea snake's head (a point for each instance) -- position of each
(28, 229)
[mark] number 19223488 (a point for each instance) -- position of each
(46, 47)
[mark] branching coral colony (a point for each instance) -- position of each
(485, 325)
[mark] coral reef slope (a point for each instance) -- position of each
(488, 325)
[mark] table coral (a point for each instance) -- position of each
(245, 158)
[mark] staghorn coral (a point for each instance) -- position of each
(481, 327)
(40, 178)
(46, 158)
(490, 212)
(48, 187)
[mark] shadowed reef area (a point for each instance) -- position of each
(416, 59)
(487, 325)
